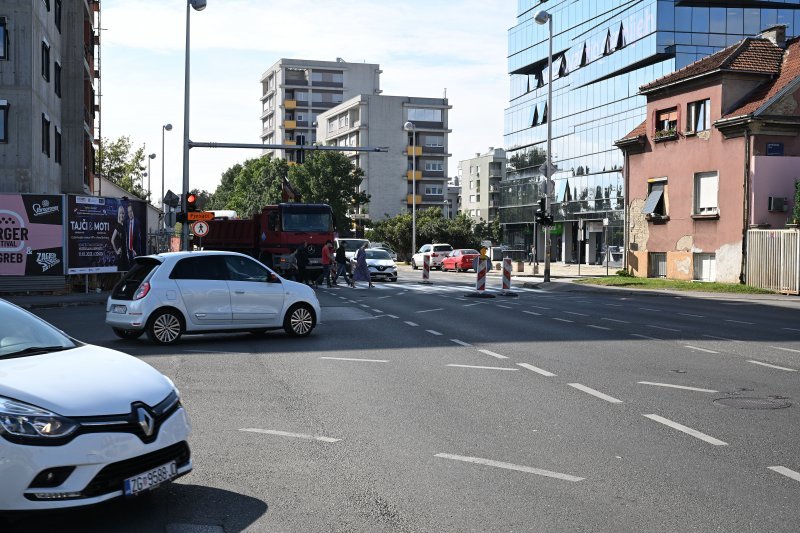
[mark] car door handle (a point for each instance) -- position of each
(238, 292)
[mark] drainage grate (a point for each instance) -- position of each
(775, 402)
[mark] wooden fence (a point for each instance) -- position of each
(773, 260)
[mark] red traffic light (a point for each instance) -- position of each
(191, 202)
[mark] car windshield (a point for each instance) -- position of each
(22, 333)
(377, 254)
(308, 219)
(354, 244)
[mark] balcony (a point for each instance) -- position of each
(289, 124)
(289, 142)
(290, 104)
(414, 150)
(410, 173)
(410, 199)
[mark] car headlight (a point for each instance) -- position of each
(21, 421)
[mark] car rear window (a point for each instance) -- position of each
(126, 288)
(443, 248)
(468, 252)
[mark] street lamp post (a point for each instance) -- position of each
(409, 127)
(165, 127)
(149, 190)
(543, 17)
(198, 5)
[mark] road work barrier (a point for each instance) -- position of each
(480, 280)
(426, 269)
(507, 278)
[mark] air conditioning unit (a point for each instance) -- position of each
(778, 203)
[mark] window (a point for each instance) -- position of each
(705, 267)
(657, 265)
(472, 198)
(45, 61)
(666, 122)
(45, 135)
(434, 166)
(699, 118)
(208, 268)
(433, 190)
(425, 115)
(57, 147)
(705, 193)
(434, 141)
(245, 269)
(57, 15)
(3, 121)
(656, 193)
(46, 4)
(3, 39)
(57, 78)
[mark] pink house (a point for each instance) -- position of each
(718, 153)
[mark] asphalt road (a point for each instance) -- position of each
(414, 408)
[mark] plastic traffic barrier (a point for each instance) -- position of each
(507, 278)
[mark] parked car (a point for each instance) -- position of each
(81, 424)
(384, 247)
(351, 246)
(381, 265)
(172, 294)
(438, 253)
(460, 260)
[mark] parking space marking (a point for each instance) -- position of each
(288, 434)
(785, 472)
(357, 360)
(772, 366)
(510, 466)
(433, 332)
(532, 313)
(785, 349)
(685, 429)
(430, 310)
(537, 370)
(699, 349)
(595, 393)
(413, 324)
(493, 354)
(462, 343)
(485, 367)
(684, 387)
(597, 327)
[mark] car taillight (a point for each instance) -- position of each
(142, 291)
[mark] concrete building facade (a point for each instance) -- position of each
(48, 107)
(295, 91)
(378, 120)
(480, 177)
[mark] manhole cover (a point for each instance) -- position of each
(754, 403)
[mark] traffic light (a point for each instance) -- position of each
(541, 213)
(191, 202)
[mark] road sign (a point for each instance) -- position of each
(200, 229)
(171, 199)
(199, 215)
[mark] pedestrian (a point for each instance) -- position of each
(301, 255)
(361, 272)
(341, 264)
(327, 259)
(291, 266)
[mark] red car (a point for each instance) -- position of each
(460, 260)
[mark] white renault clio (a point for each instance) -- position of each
(171, 294)
(81, 424)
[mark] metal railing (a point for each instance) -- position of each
(773, 260)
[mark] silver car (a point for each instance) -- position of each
(381, 265)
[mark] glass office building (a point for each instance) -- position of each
(603, 50)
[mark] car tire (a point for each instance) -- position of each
(299, 320)
(165, 327)
(127, 334)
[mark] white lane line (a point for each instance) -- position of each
(674, 386)
(540, 307)
(504, 306)
(510, 466)
(532, 313)
(484, 367)
(493, 354)
(785, 349)
(377, 310)
(382, 297)
(649, 309)
(468, 305)
(687, 430)
(741, 322)
(661, 327)
(645, 337)
(360, 360)
(562, 320)
(597, 327)
(772, 366)
(431, 310)
(412, 324)
(433, 332)
(690, 315)
(214, 351)
(596, 393)
(462, 343)
(699, 349)
(288, 434)
(393, 316)
(537, 370)
(363, 305)
(720, 338)
(613, 305)
(786, 472)
(616, 320)
(791, 329)
(574, 313)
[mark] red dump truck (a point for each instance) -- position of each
(273, 234)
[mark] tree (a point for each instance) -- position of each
(331, 178)
(203, 199)
(122, 166)
(796, 211)
(246, 188)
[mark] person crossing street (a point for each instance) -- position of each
(341, 265)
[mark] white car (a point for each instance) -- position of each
(381, 265)
(351, 246)
(437, 252)
(81, 424)
(168, 295)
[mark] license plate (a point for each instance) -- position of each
(150, 479)
(121, 309)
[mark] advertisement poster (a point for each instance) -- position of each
(31, 235)
(104, 234)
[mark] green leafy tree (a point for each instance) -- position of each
(246, 188)
(431, 227)
(203, 199)
(123, 165)
(796, 210)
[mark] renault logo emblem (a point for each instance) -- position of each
(145, 421)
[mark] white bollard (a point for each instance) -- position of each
(507, 278)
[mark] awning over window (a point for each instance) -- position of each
(656, 192)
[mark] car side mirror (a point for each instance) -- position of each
(273, 278)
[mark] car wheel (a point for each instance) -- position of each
(299, 321)
(128, 334)
(165, 327)
(413, 264)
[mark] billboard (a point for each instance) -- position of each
(31, 235)
(104, 234)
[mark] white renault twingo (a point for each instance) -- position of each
(81, 424)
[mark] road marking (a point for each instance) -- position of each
(363, 305)
(462, 343)
(493, 354)
(662, 327)
(413, 324)
(613, 305)
(616, 320)
(699, 349)
(687, 430)
(362, 360)
(785, 349)
(720, 338)
(786, 472)
(469, 305)
(791, 329)
(645, 337)
(433, 332)
(562, 320)
(215, 351)
(741, 322)
(431, 310)
(574, 313)
(504, 306)
(596, 393)
(393, 316)
(649, 309)
(341, 297)
(772, 366)
(484, 367)
(510, 466)
(540, 307)
(674, 386)
(597, 327)
(288, 434)
(532, 313)
(377, 310)
(693, 316)
(382, 297)
(537, 370)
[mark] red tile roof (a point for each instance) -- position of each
(638, 131)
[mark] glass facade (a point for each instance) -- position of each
(603, 51)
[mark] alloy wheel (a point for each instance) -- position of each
(166, 328)
(301, 321)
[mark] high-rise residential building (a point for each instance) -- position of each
(603, 51)
(480, 178)
(295, 91)
(453, 198)
(48, 104)
(378, 121)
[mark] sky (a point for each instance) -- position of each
(423, 47)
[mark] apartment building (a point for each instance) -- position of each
(480, 177)
(295, 91)
(48, 109)
(416, 160)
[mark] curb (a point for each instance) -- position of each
(54, 305)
